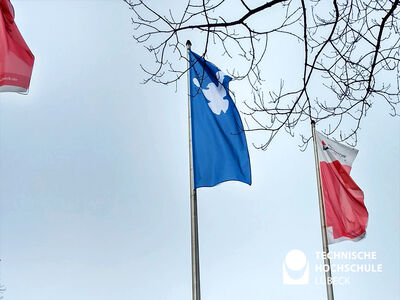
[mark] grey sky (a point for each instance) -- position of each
(95, 192)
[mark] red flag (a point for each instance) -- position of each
(16, 60)
(345, 212)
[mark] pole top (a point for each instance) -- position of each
(312, 122)
(188, 44)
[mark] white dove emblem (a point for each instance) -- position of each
(215, 94)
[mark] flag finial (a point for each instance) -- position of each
(188, 44)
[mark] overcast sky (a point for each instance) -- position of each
(94, 181)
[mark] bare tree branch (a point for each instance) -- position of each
(351, 57)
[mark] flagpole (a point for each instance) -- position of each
(327, 263)
(193, 200)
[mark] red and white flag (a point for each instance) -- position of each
(345, 212)
(16, 60)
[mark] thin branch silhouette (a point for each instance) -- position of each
(351, 51)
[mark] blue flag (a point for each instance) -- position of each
(219, 143)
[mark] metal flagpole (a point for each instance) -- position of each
(193, 201)
(327, 263)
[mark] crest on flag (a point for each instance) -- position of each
(215, 94)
